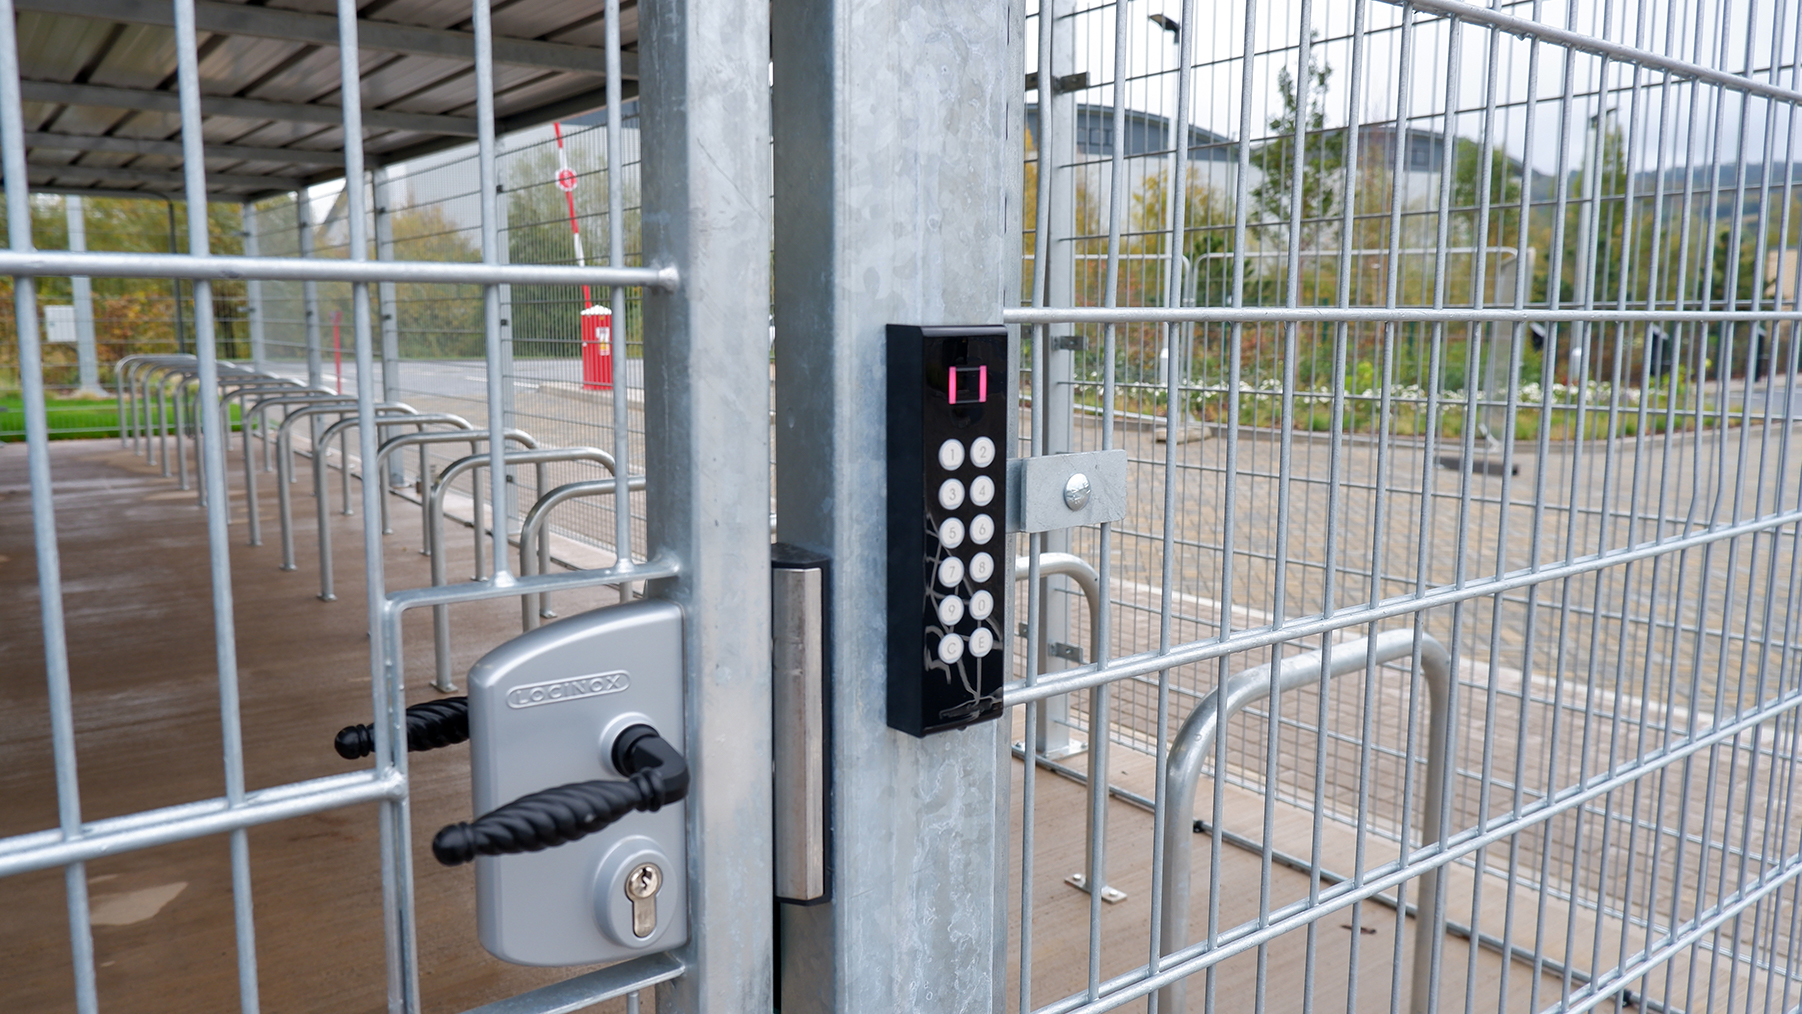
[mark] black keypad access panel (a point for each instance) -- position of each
(947, 498)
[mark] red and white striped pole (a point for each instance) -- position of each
(597, 321)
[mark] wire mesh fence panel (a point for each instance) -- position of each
(1470, 323)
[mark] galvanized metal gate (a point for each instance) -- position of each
(710, 235)
(1445, 657)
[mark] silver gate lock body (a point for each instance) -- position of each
(544, 710)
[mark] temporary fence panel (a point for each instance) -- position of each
(1466, 325)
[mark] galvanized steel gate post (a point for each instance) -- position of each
(705, 114)
(897, 175)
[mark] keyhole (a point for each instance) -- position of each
(642, 885)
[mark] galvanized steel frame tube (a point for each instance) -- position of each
(1057, 155)
(1035, 543)
(879, 223)
(497, 379)
(388, 695)
(216, 435)
(38, 263)
(43, 514)
(704, 121)
(616, 258)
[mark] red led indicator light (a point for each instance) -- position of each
(969, 385)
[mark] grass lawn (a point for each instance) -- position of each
(70, 418)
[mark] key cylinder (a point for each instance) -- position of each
(642, 885)
(630, 895)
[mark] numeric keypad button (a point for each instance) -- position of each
(951, 455)
(951, 571)
(982, 490)
(951, 648)
(981, 605)
(982, 567)
(982, 452)
(982, 529)
(981, 642)
(951, 494)
(951, 610)
(951, 533)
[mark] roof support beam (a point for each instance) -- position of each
(145, 177)
(322, 30)
(145, 146)
(248, 109)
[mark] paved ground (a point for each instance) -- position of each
(1560, 679)
(147, 728)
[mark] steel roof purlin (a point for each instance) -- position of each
(94, 92)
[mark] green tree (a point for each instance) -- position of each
(131, 315)
(436, 321)
(1322, 158)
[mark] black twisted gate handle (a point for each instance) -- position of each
(429, 726)
(656, 776)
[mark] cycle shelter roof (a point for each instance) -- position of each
(102, 115)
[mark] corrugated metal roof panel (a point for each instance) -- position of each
(297, 67)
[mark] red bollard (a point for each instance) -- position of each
(597, 349)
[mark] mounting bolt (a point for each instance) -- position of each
(1076, 492)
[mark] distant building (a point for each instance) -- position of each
(1146, 134)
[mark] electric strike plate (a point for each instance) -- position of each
(801, 740)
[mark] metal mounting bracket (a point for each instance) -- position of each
(1055, 491)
